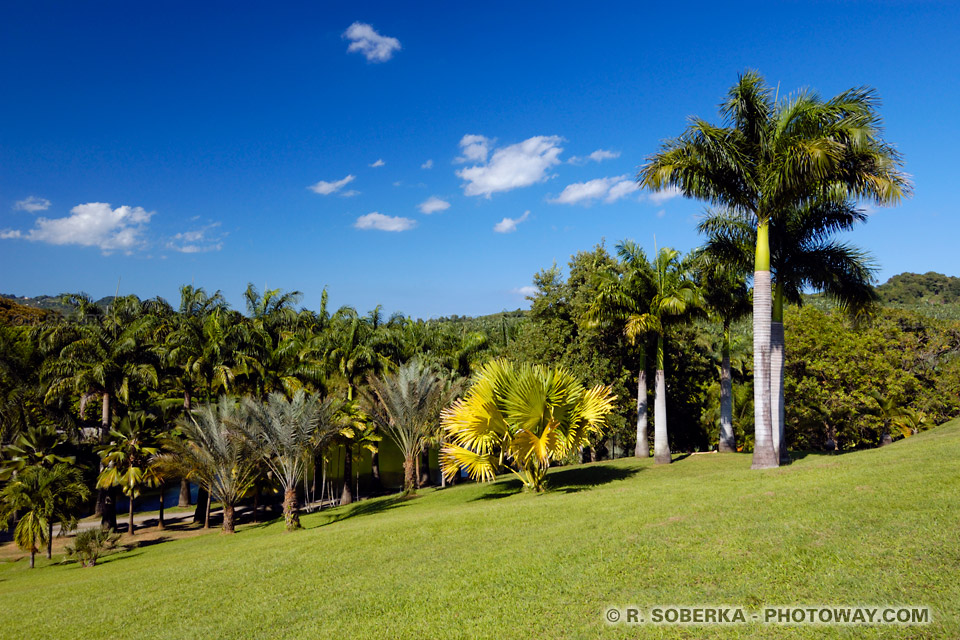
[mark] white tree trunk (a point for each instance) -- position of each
(728, 442)
(776, 389)
(661, 445)
(643, 443)
(763, 454)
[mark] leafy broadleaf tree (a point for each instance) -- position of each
(771, 155)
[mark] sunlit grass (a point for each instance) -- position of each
(872, 527)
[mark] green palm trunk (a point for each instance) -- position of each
(764, 455)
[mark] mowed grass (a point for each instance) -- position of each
(488, 561)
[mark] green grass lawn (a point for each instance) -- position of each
(873, 527)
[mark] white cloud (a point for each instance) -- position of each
(364, 39)
(350, 193)
(325, 188)
(32, 204)
(527, 291)
(378, 163)
(609, 189)
(433, 204)
(509, 225)
(659, 197)
(384, 223)
(9, 234)
(427, 165)
(199, 240)
(597, 156)
(95, 224)
(511, 167)
(474, 148)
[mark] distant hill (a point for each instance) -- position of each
(13, 313)
(913, 289)
(48, 303)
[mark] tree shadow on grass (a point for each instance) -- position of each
(571, 480)
(366, 508)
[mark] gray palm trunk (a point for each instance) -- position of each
(661, 445)
(643, 442)
(764, 455)
(728, 442)
(776, 389)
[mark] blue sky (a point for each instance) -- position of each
(209, 142)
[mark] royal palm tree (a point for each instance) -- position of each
(129, 460)
(675, 298)
(216, 454)
(523, 416)
(406, 407)
(804, 256)
(621, 294)
(769, 156)
(726, 300)
(41, 496)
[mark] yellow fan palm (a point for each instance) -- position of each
(523, 417)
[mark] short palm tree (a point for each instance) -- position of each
(770, 156)
(288, 432)
(675, 298)
(523, 417)
(129, 460)
(216, 454)
(41, 496)
(406, 407)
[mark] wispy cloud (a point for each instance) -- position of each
(200, 240)
(433, 204)
(517, 165)
(378, 163)
(597, 156)
(427, 165)
(32, 204)
(325, 188)
(509, 225)
(350, 193)
(527, 291)
(659, 197)
(365, 39)
(381, 222)
(607, 189)
(94, 224)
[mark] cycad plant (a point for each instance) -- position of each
(769, 156)
(675, 298)
(521, 417)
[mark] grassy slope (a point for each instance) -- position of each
(872, 527)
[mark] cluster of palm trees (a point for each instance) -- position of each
(231, 402)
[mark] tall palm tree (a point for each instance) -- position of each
(41, 496)
(288, 432)
(524, 416)
(726, 300)
(406, 407)
(805, 255)
(771, 155)
(216, 454)
(129, 459)
(675, 298)
(621, 294)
